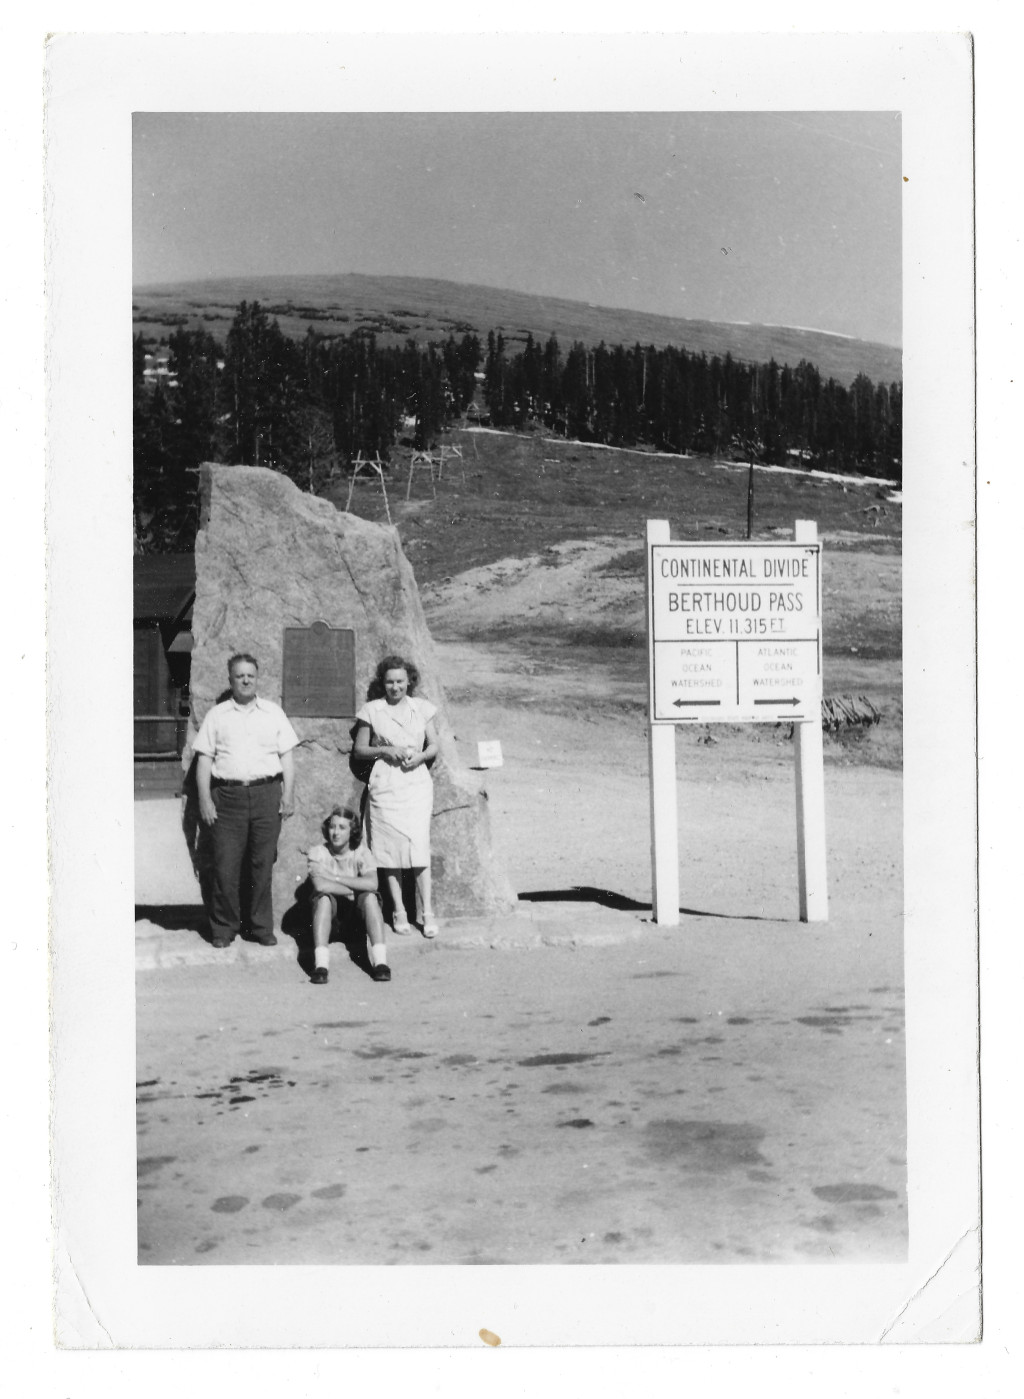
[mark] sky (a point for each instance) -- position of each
(782, 218)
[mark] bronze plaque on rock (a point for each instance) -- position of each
(319, 672)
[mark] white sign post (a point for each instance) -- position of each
(661, 755)
(734, 636)
(810, 791)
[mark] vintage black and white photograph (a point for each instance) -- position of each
(516, 787)
(407, 389)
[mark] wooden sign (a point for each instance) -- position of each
(319, 671)
(735, 632)
(734, 635)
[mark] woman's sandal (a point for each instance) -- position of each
(430, 928)
(401, 926)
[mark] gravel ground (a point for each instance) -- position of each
(570, 1084)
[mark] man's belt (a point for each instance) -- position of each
(245, 781)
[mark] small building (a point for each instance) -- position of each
(157, 368)
(165, 590)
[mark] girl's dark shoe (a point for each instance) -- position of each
(381, 973)
(319, 976)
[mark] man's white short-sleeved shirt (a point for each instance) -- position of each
(246, 741)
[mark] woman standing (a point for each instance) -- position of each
(395, 730)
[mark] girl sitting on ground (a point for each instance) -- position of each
(344, 878)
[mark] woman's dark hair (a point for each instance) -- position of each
(376, 686)
(356, 837)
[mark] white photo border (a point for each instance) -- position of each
(104, 1298)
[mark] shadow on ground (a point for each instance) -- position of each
(607, 898)
(175, 918)
(297, 924)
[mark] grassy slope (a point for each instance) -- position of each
(399, 307)
(518, 495)
(515, 497)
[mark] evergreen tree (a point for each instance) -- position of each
(263, 370)
(429, 398)
(576, 393)
(159, 509)
(552, 398)
(865, 423)
(495, 371)
(531, 387)
(197, 396)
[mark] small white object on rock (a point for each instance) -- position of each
(488, 754)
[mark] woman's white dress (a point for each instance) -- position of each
(400, 804)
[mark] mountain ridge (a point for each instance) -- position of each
(397, 308)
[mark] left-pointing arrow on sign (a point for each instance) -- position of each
(687, 703)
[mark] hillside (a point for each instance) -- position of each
(515, 494)
(397, 308)
(528, 552)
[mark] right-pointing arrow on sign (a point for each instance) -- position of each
(778, 701)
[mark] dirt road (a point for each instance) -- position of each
(731, 1090)
(724, 1093)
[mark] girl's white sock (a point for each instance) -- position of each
(321, 957)
(378, 954)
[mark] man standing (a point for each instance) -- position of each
(245, 774)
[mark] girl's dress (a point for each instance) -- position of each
(399, 804)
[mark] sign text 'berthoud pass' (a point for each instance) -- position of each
(735, 632)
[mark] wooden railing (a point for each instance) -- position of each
(160, 735)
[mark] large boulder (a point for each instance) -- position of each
(269, 556)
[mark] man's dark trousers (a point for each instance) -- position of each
(245, 838)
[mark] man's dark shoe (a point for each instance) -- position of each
(319, 977)
(381, 973)
(270, 941)
(220, 942)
